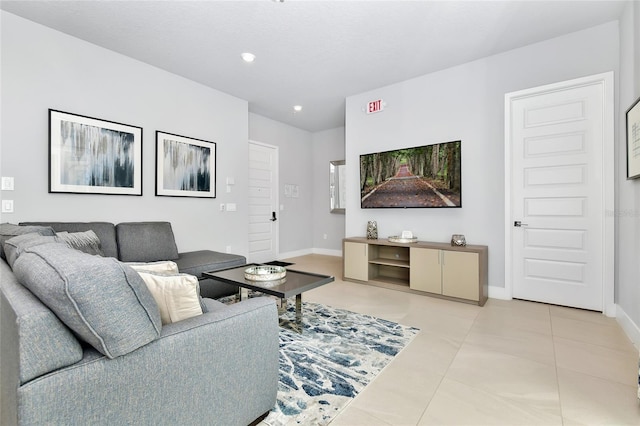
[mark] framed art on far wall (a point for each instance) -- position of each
(92, 156)
(633, 140)
(185, 167)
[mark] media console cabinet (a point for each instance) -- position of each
(429, 268)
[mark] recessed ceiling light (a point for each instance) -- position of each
(248, 57)
(297, 108)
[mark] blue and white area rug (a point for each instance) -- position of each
(336, 356)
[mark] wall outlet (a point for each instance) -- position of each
(324, 236)
(7, 206)
(228, 249)
(223, 207)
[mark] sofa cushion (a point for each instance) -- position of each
(13, 247)
(87, 241)
(102, 300)
(167, 266)
(42, 342)
(177, 295)
(146, 241)
(9, 230)
(105, 231)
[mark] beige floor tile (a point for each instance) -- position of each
(514, 378)
(598, 361)
(582, 315)
(609, 335)
(353, 416)
(497, 318)
(399, 395)
(593, 401)
(459, 404)
(429, 352)
(521, 343)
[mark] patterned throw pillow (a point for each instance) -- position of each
(87, 242)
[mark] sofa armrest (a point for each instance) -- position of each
(217, 368)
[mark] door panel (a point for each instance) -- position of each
(557, 173)
(262, 202)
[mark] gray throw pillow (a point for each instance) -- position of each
(9, 230)
(13, 247)
(102, 300)
(87, 242)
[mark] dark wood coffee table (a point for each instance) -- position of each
(293, 284)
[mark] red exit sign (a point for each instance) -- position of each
(375, 106)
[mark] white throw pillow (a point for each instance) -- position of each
(164, 266)
(177, 295)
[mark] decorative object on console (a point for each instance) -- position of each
(418, 177)
(185, 167)
(93, 156)
(401, 239)
(458, 240)
(372, 230)
(265, 273)
(633, 140)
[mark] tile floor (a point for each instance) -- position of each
(507, 363)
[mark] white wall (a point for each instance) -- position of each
(43, 68)
(627, 213)
(464, 103)
(328, 146)
(295, 219)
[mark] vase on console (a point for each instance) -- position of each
(372, 230)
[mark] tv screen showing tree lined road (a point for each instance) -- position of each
(425, 176)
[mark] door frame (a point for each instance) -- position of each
(606, 82)
(276, 192)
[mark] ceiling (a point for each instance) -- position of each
(311, 53)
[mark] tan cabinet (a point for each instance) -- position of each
(460, 275)
(356, 261)
(450, 273)
(437, 269)
(425, 273)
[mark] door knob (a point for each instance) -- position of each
(273, 217)
(519, 224)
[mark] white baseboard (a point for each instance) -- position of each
(498, 293)
(327, 252)
(297, 253)
(630, 328)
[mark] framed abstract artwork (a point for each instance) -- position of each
(92, 156)
(633, 140)
(185, 167)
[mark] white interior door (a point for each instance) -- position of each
(557, 226)
(263, 202)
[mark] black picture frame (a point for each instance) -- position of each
(185, 166)
(633, 140)
(89, 155)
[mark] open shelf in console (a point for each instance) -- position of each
(389, 264)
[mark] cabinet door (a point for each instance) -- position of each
(460, 275)
(425, 272)
(356, 261)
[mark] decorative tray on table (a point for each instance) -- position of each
(265, 273)
(400, 239)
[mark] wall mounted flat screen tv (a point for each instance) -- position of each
(426, 176)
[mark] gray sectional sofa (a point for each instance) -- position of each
(81, 340)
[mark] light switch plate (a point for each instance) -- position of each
(7, 183)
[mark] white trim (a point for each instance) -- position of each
(608, 186)
(276, 186)
(498, 293)
(327, 252)
(296, 253)
(630, 328)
